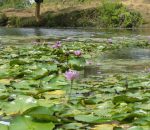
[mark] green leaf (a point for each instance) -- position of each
(73, 126)
(76, 62)
(86, 118)
(40, 113)
(146, 127)
(125, 98)
(39, 73)
(136, 128)
(103, 127)
(121, 116)
(18, 62)
(90, 119)
(21, 104)
(3, 96)
(3, 127)
(26, 123)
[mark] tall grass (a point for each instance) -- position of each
(13, 4)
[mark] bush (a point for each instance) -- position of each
(3, 19)
(114, 14)
(131, 19)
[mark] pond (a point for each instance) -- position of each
(111, 91)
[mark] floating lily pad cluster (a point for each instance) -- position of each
(34, 90)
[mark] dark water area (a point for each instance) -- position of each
(70, 32)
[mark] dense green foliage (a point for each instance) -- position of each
(114, 14)
(3, 19)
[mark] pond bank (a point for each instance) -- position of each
(80, 16)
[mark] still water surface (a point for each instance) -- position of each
(72, 32)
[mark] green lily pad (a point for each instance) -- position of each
(26, 123)
(125, 98)
(3, 127)
(136, 128)
(41, 113)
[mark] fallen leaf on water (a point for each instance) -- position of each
(103, 127)
(57, 92)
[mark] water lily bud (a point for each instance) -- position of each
(57, 45)
(77, 53)
(71, 75)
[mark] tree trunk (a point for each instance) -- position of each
(37, 12)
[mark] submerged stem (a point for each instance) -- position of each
(71, 85)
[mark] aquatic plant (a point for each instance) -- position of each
(57, 45)
(71, 75)
(33, 82)
(77, 53)
(3, 19)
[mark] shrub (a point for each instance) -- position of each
(132, 19)
(114, 14)
(3, 19)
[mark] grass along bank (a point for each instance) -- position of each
(85, 13)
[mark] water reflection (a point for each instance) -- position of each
(27, 35)
(129, 60)
(77, 32)
(128, 53)
(91, 70)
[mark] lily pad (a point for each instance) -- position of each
(26, 123)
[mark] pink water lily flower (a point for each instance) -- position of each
(71, 75)
(77, 53)
(57, 45)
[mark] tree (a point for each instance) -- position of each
(37, 10)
